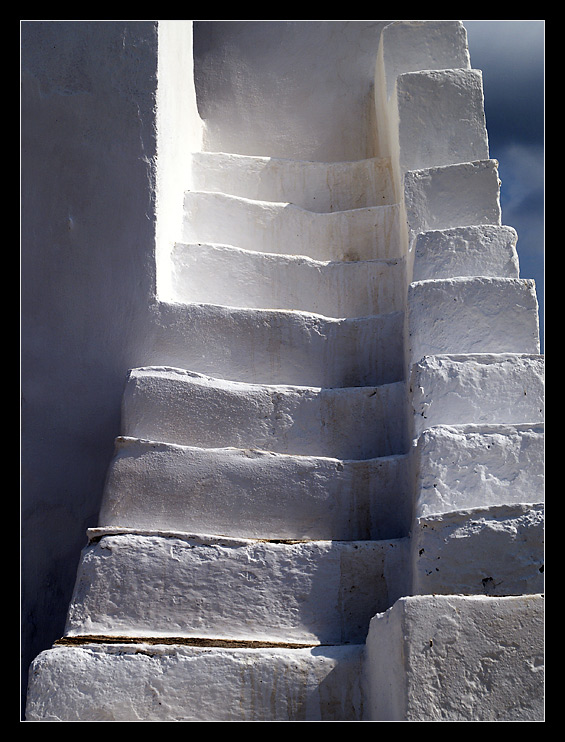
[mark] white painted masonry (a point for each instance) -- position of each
(326, 495)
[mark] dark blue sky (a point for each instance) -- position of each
(511, 57)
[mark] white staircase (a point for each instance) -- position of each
(349, 394)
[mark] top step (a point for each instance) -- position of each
(315, 186)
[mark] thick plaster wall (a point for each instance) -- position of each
(88, 146)
(295, 89)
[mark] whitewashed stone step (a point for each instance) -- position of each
(277, 347)
(369, 233)
(467, 466)
(479, 388)
(172, 585)
(472, 315)
(178, 406)
(230, 276)
(457, 658)
(254, 494)
(110, 682)
(479, 250)
(315, 186)
(497, 550)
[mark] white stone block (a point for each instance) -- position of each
(481, 388)
(468, 466)
(409, 46)
(277, 347)
(177, 406)
(168, 585)
(484, 250)
(369, 233)
(157, 682)
(497, 550)
(441, 118)
(229, 276)
(254, 494)
(315, 186)
(452, 196)
(472, 315)
(457, 658)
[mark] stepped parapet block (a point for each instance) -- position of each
(253, 494)
(230, 276)
(320, 592)
(457, 658)
(266, 346)
(178, 406)
(456, 195)
(481, 250)
(497, 550)
(314, 186)
(478, 388)
(411, 46)
(369, 233)
(467, 466)
(441, 118)
(110, 682)
(471, 315)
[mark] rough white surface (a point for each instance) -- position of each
(253, 494)
(477, 388)
(480, 250)
(492, 551)
(457, 658)
(441, 118)
(452, 196)
(358, 234)
(178, 406)
(315, 186)
(467, 466)
(472, 315)
(324, 592)
(145, 682)
(276, 346)
(225, 275)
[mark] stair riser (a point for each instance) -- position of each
(159, 683)
(320, 592)
(249, 494)
(233, 277)
(176, 407)
(272, 347)
(360, 234)
(315, 186)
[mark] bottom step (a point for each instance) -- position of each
(145, 682)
